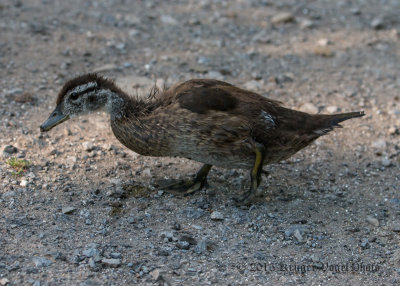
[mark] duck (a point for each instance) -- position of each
(206, 120)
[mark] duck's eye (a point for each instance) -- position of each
(74, 96)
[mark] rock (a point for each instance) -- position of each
(297, 235)
(364, 244)
(193, 213)
(23, 183)
(116, 255)
(332, 109)
(393, 130)
(155, 275)
(377, 24)
(146, 172)
(4, 281)
(396, 227)
(386, 162)
(111, 262)
(309, 108)
(183, 245)
(167, 19)
(373, 221)
(323, 51)
(92, 251)
(379, 144)
(215, 215)
(68, 210)
(41, 262)
(189, 239)
(215, 75)
(9, 149)
(284, 17)
(306, 24)
(204, 246)
(87, 146)
(323, 42)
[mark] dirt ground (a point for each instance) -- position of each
(330, 214)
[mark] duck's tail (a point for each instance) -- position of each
(325, 123)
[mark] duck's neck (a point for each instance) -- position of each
(120, 105)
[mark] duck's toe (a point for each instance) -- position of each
(182, 187)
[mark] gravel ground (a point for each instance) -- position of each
(87, 211)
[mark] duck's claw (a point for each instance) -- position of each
(182, 187)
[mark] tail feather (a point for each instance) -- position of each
(326, 123)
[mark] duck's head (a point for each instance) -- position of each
(81, 95)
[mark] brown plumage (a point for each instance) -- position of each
(205, 120)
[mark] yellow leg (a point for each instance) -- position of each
(255, 176)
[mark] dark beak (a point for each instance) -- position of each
(55, 118)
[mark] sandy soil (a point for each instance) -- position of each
(330, 214)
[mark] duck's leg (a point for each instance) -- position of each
(255, 176)
(186, 187)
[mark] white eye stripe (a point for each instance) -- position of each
(83, 87)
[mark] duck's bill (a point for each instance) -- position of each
(55, 118)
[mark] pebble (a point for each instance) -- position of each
(253, 85)
(323, 42)
(116, 255)
(393, 130)
(386, 162)
(87, 146)
(215, 215)
(68, 210)
(41, 262)
(23, 183)
(377, 24)
(204, 246)
(193, 213)
(309, 108)
(10, 149)
(373, 221)
(379, 144)
(297, 235)
(167, 19)
(323, 51)
(332, 109)
(183, 245)
(156, 275)
(284, 17)
(111, 262)
(365, 243)
(306, 24)
(4, 281)
(396, 227)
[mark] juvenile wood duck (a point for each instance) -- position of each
(206, 120)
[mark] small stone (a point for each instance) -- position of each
(297, 235)
(4, 281)
(183, 245)
(215, 215)
(116, 255)
(309, 108)
(204, 246)
(332, 109)
(364, 244)
(323, 51)
(146, 172)
(284, 17)
(68, 210)
(379, 144)
(23, 183)
(323, 42)
(373, 221)
(386, 162)
(306, 24)
(10, 149)
(167, 19)
(111, 262)
(87, 146)
(41, 262)
(156, 275)
(396, 227)
(377, 24)
(393, 130)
